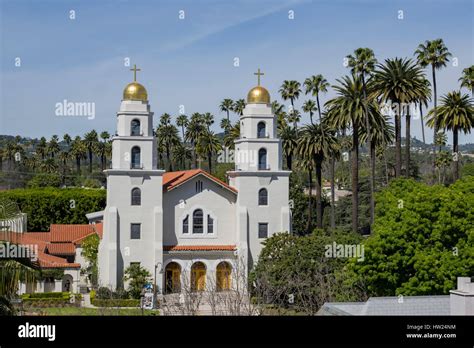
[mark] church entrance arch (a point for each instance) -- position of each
(198, 276)
(173, 278)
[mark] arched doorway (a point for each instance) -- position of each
(198, 277)
(172, 278)
(223, 276)
(67, 283)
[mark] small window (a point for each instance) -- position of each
(136, 196)
(135, 231)
(136, 157)
(198, 186)
(262, 159)
(210, 224)
(135, 127)
(263, 197)
(261, 130)
(262, 230)
(198, 221)
(186, 224)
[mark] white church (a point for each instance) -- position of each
(189, 223)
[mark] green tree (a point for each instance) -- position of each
(53, 146)
(239, 106)
(79, 151)
(309, 106)
(182, 121)
(227, 106)
(290, 90)
(137, 277)
(90, 141)
(90, 251)
(315, 85)
(455, 114)
(467, 79)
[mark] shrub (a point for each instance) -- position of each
(116, 303)
(45, 180)
(92, 294)
(104, 293)
(47, 295)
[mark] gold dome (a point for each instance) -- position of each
(135, 91)
(258, 95)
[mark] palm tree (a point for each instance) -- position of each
(41, 148)
(64, 156)
(317, 142)
(316, 84)
(309, 106)
(467, 79)
(78, 150)
(239, 106)
(456, 114)
(209, 144)
(168, 136)
(400, 81)
(49, 166)
(12, 271)
(67, 139)
(306, 163)
(103, 148)
(232, 136)
(53, 146)
(227, 106)
(345, 110)
(182, 121)
(288, 138)
(435, 54)
(90, 141)
(424, 101)
(362, 64)
(225, 125)
(181, 154)
(208, 120)
(193, 133)
(291, 90)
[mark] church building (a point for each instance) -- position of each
(190, 224)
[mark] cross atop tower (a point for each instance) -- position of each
(135, 72)
(258, 73)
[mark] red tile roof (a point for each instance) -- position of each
(199, 247)
(99, 228)
(172, 180)
(70, 233)
(50, 261)
(61, 248)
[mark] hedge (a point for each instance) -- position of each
(47, 295)
(115, 303)
(45, 206)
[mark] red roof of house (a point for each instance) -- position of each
(70, 233)
(51, 261)
(99, 228)
(172, 180)
(199, 247)
(61, 248)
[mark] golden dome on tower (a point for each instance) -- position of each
(135, 91)
(258, 95)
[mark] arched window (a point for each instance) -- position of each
(186, 224)
(261, 130)
(136, 196)
(135, 127)
(263, 197)
(223, 274)
(136, 157)
(262, 159)
(198, 221)
(210, 224)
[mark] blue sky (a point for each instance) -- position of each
(190, 61)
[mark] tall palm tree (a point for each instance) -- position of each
(90, 141)
(12, 271)
(105, 136)
(67, 139)
(423, 101)
(316, 84)
(456, 114)
(467, 79)
(362, 64)
(225, 125)
(181, 154)
(182, 121)
(42, 147)
(306, 163)
(208, 120)
(193, 133)
(167, 135)
(232, 136)
(227, 106)
(317, 142)
(78, 150)
(290, 90)
(239, 106)
(288, 139)
(53, 146)
(345, 110)
(209, 144)
(400, 81)
(435, 54)
(309, 106)
(64, 156)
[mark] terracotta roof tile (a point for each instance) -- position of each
(199, 247)
(99, 228)
(172, 180)
(51, 261)
(61, 248)
(70, 233)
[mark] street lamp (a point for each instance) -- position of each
(159, 264)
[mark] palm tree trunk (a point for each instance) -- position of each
(308, 224)
(355, 177)
(90, 161)
(168, 158)
(398, 144)
(422, 123)
(435, 128)
(386, 167)
(319, 206)
(333, 194)
(407, 143)
(209, 158)
(78, 164)
(319, 108)
(289, 160)
(456, 154)
(369, 147)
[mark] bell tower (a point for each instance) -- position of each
(133, 217)
(263, 186)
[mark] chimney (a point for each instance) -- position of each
(462, 299)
